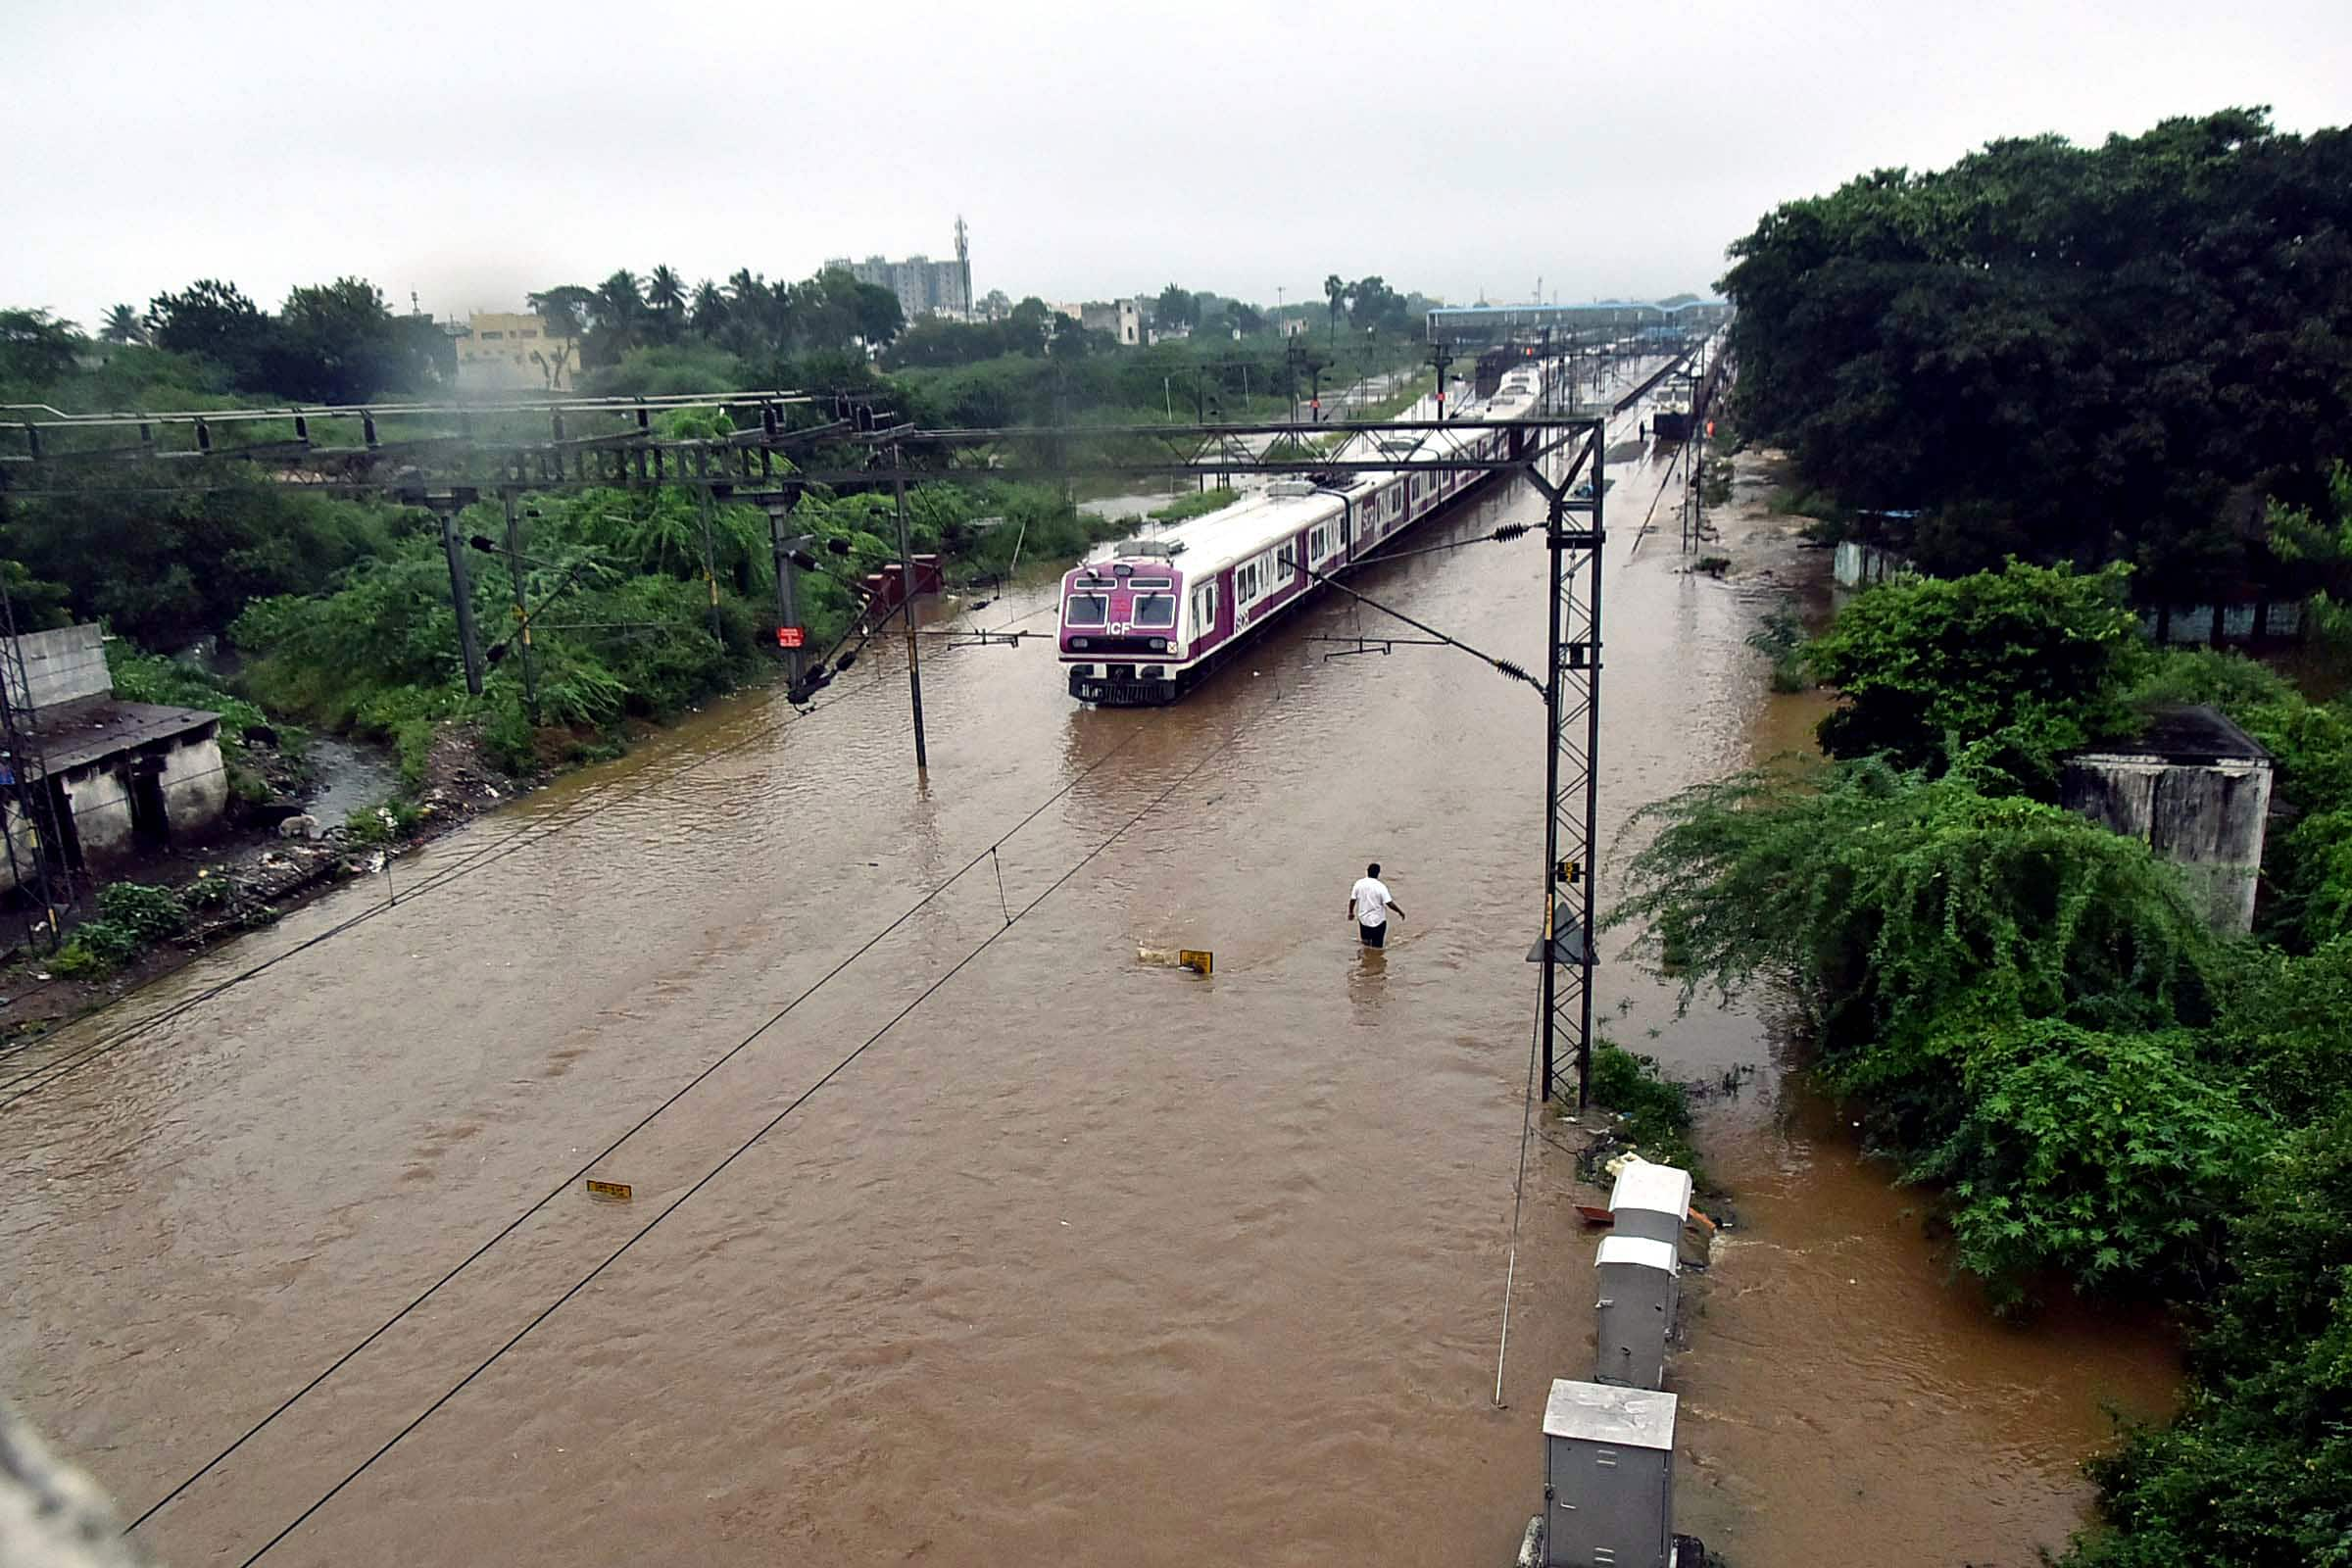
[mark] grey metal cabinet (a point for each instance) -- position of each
(1651, 1200)
(1608, 1468)
(1635, 1311)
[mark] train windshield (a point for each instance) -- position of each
(1083, 609)
(1155, 610)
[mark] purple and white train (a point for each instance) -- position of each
(1151, 619)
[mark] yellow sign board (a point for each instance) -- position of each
(617, 1192)
(1195, 959)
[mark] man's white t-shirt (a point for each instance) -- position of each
(1370, 895)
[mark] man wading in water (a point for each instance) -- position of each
(1369, 905)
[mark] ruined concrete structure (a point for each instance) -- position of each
(123, 778)
(2196, 789)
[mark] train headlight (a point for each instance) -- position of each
(1077, 641)
(1160, 645)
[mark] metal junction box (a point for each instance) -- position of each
(1652, 1201)
(1609, 1470)
(1635, 1312)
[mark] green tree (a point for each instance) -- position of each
(2035, 660)
(1177, 307)
(122, 325)
(1335, 294)
(2065, 353)
(338, 343)
(214, 321)
(619, 316)
(665, 295)
(708, 310)
(566, 307)
(35, 348)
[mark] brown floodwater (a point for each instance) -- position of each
(1057, 1256)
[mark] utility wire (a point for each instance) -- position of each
(1534, 1036)
(639, 1126)
(1502, 535)
(740, 1149)
(535, 833)
(1503, 665)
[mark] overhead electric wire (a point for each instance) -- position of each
(1501, 665)
(743, 1147)
(1502, 535)
(1510, 1273)
(639, 1126)
(524, 837)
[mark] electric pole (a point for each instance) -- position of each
(522, 610)
(460, 586)
(915, 653)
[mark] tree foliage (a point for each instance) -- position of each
(2064, 352)
(1891, 900)
(2110, 1158)
(2030, 661)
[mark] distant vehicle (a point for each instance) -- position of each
(1152, 618)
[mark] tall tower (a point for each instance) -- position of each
(963, 263)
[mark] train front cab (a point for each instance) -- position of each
(1119, 635)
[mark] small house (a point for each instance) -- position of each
(117, 779)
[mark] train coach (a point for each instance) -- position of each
(1152, 618)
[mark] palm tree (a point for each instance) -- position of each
(664, 289)
(1334, 291)
(619, 307)
(122, 325)
(710, 309)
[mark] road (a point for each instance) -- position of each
(982, 1241)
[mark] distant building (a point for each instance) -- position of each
(121, 779)
(502, 352)
(1123, 319)
(925, 287)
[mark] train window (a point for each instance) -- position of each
(1156, 612)
(1204, 610)
(1083, 609)
(1244, 583)
(1286, 563)
(1318, 543)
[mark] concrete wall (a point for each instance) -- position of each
(2208, 819)
(195, 785)
(2206, 624)
(60, 666)
(1859, 564)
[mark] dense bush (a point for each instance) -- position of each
(2108, 1158)
(622, 614)
(1888, 899)
(2026, 663)
(1656, 1109)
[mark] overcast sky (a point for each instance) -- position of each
(470, 153)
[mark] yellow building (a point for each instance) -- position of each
(504, 352)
